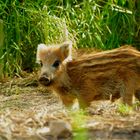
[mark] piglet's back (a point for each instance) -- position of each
(104, 63)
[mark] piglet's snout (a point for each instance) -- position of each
(44, 80)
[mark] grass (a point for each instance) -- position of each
(22, 34)
(1, 47)
(78, 121)
(124, 110)
(103, 24)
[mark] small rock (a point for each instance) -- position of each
(60, 129)
(43, 130)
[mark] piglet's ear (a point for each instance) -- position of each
(40, 48)
(66, 50)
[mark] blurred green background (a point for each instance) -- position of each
(104, 24)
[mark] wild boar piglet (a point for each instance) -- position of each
(96, 76)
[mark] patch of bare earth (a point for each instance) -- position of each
(30, 112)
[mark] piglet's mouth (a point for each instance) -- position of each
(45, 81)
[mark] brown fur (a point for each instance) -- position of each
(97, 76)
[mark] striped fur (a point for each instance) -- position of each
(114, 73)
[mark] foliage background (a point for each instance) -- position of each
(104, 24)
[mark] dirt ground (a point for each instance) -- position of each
(26, 109)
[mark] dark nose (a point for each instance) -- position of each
(44, 80)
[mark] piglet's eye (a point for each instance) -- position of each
(41, 64)
(56, 63)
